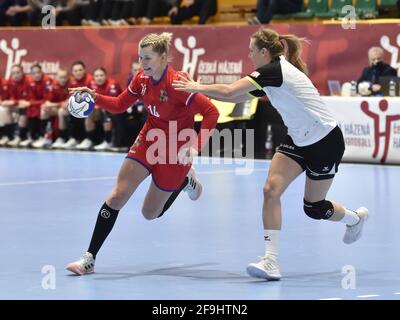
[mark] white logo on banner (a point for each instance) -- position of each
(393, 50)
(190, 54)
(14, 54)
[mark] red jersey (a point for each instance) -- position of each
(39, 90)
(4, 93)
(165, 104)
(57, 93)
(19, 90)
(84, 82)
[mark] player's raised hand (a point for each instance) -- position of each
(186, 84)
(83, 89)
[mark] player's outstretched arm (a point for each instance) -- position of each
(234, 92)
(112, 104)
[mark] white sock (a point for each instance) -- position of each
(350, 217)
(271, 238)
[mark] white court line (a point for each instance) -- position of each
(369, 296)
(19, 183)
(361, 296)
(54, 181)
(123, 154)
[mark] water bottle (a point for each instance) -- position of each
(353, 91)
(392, 88)
(269, 143)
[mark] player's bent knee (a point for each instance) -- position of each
(319, 210)
(271, 190)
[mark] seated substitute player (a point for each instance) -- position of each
(314, 142)
(56, 101)
(18, 102)
(5, 129)
(105, 86)
(75, 126)
(170, 119)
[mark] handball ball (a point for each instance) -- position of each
(80, 105)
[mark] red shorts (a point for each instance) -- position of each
(166, 176)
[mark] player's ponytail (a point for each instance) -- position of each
(292, 49)
(288, 45)
(158, 42)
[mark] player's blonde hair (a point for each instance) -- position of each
(158, 42)
(288, 45)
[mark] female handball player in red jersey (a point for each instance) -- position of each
(164, 148)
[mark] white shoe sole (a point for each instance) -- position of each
(361, 226)
(256, 272)
(74, 268)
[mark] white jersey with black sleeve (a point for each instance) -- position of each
(292, 93)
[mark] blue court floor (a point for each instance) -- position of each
(198, 250)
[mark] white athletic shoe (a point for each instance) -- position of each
(4, 141)
(41, 143)
(102, 146)
(353, 233)
(37, 144)
(93, 23)
(58, 143)
(82, 266)
(267, 268)
(194, 187)
(86, 144)
(14, 142)
(70, 144)
(26, 143)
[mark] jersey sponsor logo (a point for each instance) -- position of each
(105, 213)
(144, 87)
(113, 89)
(163, 96)
(255, 74)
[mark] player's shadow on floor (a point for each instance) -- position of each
(327, 279)
(193, 271)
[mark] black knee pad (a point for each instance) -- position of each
(319, 210)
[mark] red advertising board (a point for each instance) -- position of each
(217, 54)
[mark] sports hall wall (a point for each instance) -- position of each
(217, 54)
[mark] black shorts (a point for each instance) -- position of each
(320, 160)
